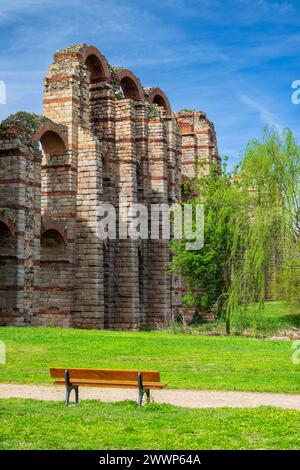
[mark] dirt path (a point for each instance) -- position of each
(185, 398)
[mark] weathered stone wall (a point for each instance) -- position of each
(199, 145)
(103, 138)
(199, 152)
(20, 182)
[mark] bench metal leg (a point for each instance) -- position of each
(140, 399)
(76, 395)
(69, 388)
(141, 390)
(68, 391)
(148, 395)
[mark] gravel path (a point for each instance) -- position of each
(185, 398)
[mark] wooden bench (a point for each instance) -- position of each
(143, 380)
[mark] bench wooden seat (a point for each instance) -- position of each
(112, 384)
(143, 380)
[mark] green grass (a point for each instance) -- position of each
(185, 361)
(276, 319)
(29, 424)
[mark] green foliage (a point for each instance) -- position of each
(32, 424)
(277, 319)
(207, 271)
(22, 118)
(119, 95)
(191, 111)
(269, 228)
(252, 231)
(154, 111)
(185, 361)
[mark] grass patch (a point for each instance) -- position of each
(276, 318)
(185, 361)
(30, 424)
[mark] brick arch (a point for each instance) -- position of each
(157, 96)
(130, 85)
(96, 63)
(55, 227)
(7, 221)
(50, 127)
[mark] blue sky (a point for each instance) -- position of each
(234, 59)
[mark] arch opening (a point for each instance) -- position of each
(52, 245)
(129, 85)
(55, 279)
(8, 272)
(52, 143)
(56, 173)
(95, 69)
(7, 242)
(159, 99)
(161, 104)
(129, 89)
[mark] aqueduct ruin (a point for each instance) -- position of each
(101, 135)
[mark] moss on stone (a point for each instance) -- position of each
(28, 120)
(191, 111)
(154, 112)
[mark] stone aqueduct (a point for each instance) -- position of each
(101, 135)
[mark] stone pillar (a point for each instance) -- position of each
(20, 161)
(172, 157)
(143, 197)
(126, 262)
(58, 234)
(174, 191)
(89, 305)
(71, 98)
(103, 126)
(159, 309)
(199, 147)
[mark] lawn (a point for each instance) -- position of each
(276, 319)
(185, 361)
(29, 424)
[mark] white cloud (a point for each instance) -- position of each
(199, 51)
(236, 11)
(266, 116)
(13, 8)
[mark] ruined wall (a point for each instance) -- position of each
(103, 138)
(34, 196)
(199, 145)
(20, 161)
(199, 152)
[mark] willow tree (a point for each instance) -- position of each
(252, 231)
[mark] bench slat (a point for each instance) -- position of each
(105, 374)
(112, 384)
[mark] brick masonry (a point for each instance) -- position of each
(102, 136)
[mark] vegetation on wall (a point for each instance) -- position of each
(252, 232)
(24, 119)
(154, 111)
